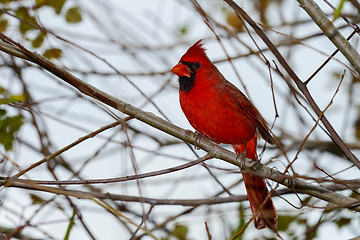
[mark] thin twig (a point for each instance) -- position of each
(334, 135)
(159, 123)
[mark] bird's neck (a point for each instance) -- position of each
(187, 83)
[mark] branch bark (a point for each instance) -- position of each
(32, 185)
(332, 32)
(300, 84)
(185, 135)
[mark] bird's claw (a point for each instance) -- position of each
(241, 159)
(198, 137)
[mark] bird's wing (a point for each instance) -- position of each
(241, 103)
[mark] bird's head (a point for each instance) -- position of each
(190, 63)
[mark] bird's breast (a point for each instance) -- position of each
(210, 113)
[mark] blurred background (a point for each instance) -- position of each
(126, 49)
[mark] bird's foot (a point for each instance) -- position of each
(198, 137)
(241, 158)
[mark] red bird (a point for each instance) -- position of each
(219, 110)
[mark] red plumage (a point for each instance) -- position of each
(219, 110)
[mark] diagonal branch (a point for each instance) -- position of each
(332, 32)
(301, 85)
(185, 135)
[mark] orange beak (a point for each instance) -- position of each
(181, 70)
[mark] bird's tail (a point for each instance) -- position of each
(258, 194)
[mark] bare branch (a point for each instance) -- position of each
(332, 32)
(334, 135)
(161, 124)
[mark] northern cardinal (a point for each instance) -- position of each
(220, 111)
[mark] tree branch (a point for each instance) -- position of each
(332, 32)
(303, 88)
(186, 135)
(31, 185)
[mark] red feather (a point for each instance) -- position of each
(219, 110)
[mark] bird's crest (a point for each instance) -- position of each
(195, 52)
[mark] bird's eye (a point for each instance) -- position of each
(196, 65)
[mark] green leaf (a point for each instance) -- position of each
(36, 199)
(9, 126)
(18, 97)
(57, 5)
(7, 1)
(3, 25)
(71, 224)
(180, 232)
(41, 2)
(12, 99)
(339, 9)
(284, 222)
(53, 53)
(343, 222)
(357, 133)
(73, 15)
(28, 22)
(3, 90)
(37, 42)
(241, 224)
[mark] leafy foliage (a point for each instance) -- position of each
(57, 5)
(53, 53)
(70, 226)
(4, 23)
(339, 9)
(357, 126)
(9, 126)
(241, 224)
(37, 42)
(73, 15)
(28, 23)
(180, 232)
(56, 102)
